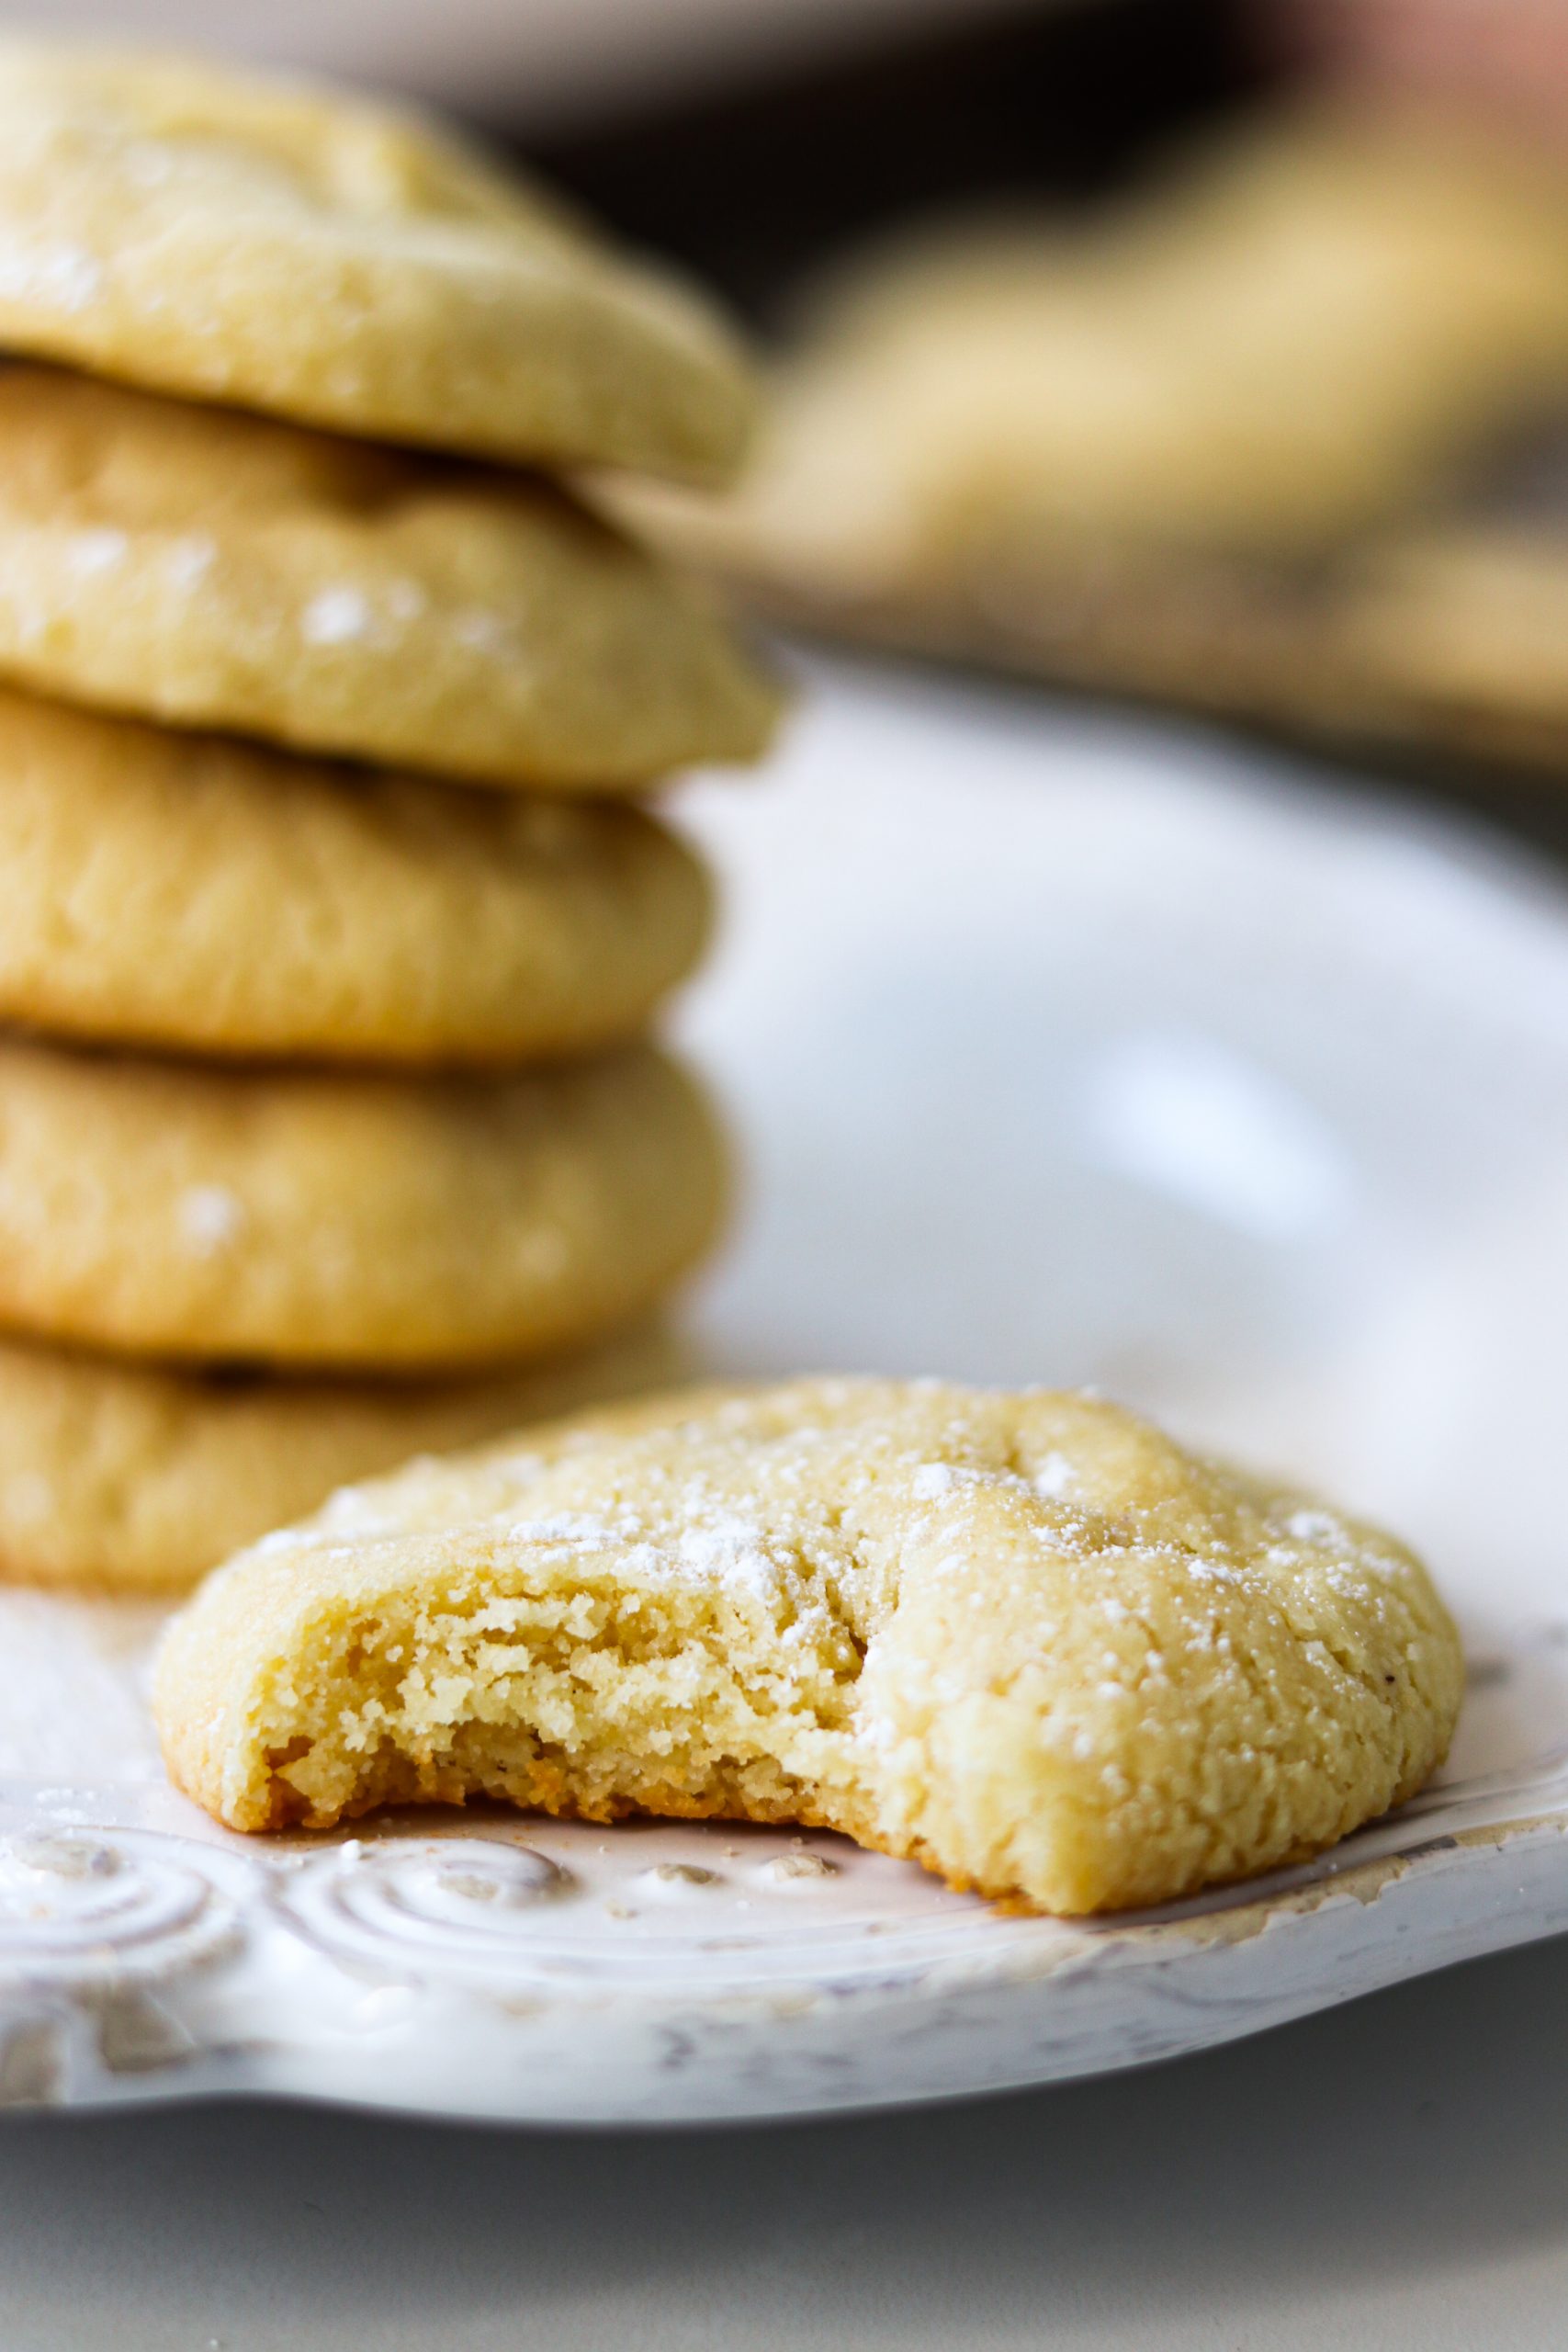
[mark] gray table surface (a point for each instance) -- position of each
(1391, 2175)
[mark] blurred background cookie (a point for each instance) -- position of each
(1149, 352)
(1260, 351)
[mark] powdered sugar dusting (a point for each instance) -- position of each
(210, 1218)
(93, 551)
(565, 1527)
(1055, 1478)
(335, 616)
(932, 1479)
(1315, 1526)
(729, 1551)
(812, 1506)
(703, 1547)
(58, 277)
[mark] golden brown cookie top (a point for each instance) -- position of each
(228, 236)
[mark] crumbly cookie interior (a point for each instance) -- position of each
(564, 1678)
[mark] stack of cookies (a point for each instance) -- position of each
(329, 930)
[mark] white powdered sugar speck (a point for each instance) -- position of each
(210, 1218)
(931, 1479)
(93, 551)
(564, 1527)
(335, 616)
(1314, 1526)
(64, 278)
(1055, 1478)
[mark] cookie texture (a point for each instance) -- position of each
(1023, 1638)
(211, 569)
(346, 1221)
(313, 253)
(196, 892)
(125, 1477)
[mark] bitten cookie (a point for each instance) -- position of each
(132, 1478)
(196, 892)
(302, 251)
(346, 1221)
(209, 569)
(1023, 1639)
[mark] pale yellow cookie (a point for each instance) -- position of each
(215, 570)
(346, 1221)
(1291, 337)
(133, 1478)
(1023, 1638)
(311, 252)
(1459, 630)
(196, 892)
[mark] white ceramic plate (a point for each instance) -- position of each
(1064, 1050)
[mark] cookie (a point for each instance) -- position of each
(211, 569)
(1023, 1639)
(1458, 629)
(322, 257)
(1286, 341)
(132, 1478)
(195, 892)
(351, 1222)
